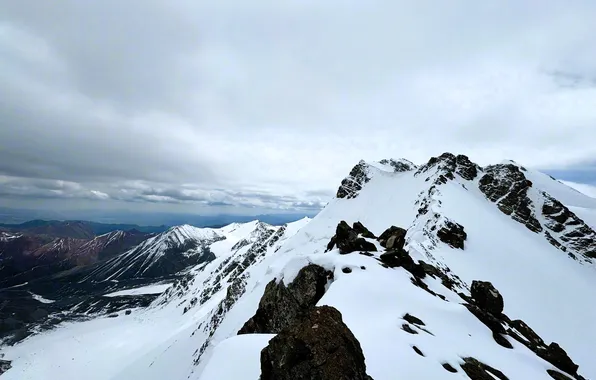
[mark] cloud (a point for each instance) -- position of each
(271, 104)
(589, 190)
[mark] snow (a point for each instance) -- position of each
(540, 284)
(151, 289)
(237, 358)
(40, 298)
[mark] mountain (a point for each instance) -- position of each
(78, 229)
(438, 271)
(26, 257)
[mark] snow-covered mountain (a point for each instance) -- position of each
(444, 270)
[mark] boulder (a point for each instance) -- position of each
(452, 234)
(282, 305)
(557, 356)
(320, 347)
(348, 240)
(413, 320)
(363, 231)
(393, 238)
(5, 365)
(487, 297)
(476, 370)
(398, 258)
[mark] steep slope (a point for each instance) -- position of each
(25, 257)
(411, 308)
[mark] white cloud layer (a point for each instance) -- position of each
(269, 104)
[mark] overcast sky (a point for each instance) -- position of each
(199, 106)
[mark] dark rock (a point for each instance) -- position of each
(320, 347)
(476, 370)
(128, 312)
(557, 375)
(399, 166)
(531, 338)
(449, 367)
(557, 356)
(366, 254)
(452, 234)
(347, 240)
(576, 234)
(39, 314)
(489, 320)
(282, 306)
(393, 238)
(398, 258)
(346, 270)
(407, 328)
(113, 316)
(363, 267)
(417, 350)
(351, 185)
(502, 340)
(487, 297)
(466, 168)
(413, 320)
(506, 185)
(363, 231)
(429, 269)
(5, 365)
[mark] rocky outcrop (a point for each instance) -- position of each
(348, 240)
(557, 356)
(448, 165)
(487, 297)
(453, 234)
(507, 186)
(320, 347)
(398, 258)
(393, 238)
(571, 230)
(5, 365)
(486, 304)
(282, 305)
(399, 166)
(353, 183)
(476, 370)
(363, 231)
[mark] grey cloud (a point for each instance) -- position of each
(271, 103)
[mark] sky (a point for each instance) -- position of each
(210, 107)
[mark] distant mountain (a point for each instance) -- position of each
(25, 256)
(78, 229)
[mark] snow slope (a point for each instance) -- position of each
(189, 332)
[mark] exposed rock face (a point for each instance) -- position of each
(5, 365)
(282, 306)
(452, 234)
(557, 375)
(466, 168)
(320, 347)
(506, 185)
(487, 297)
(398, 258)
(476, 370)
(448, 164)
(487, 306)
(401, 165)
(363, 231)
(570, 229)
(557, 356)
(353, 183)
(348, 240)
(393, 238)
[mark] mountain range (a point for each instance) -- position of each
(438, 271)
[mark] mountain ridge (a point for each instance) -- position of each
(406, 303)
